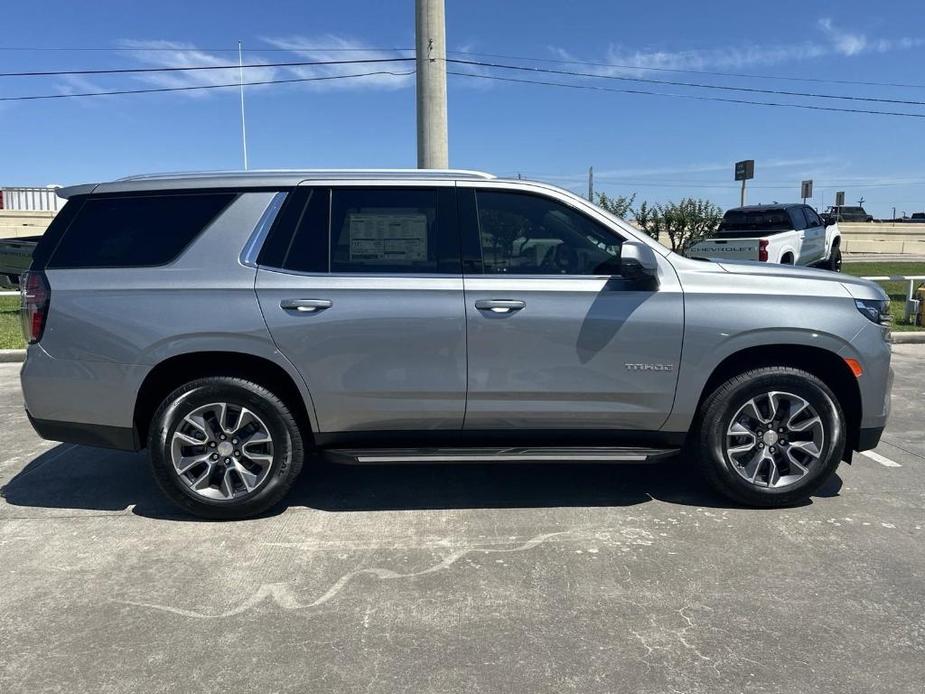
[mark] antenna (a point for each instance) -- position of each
(243, 122)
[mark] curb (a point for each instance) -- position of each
(10, 356)
(916, 337)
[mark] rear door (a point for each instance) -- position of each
(557, 338)
(361, 289)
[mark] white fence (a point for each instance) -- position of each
(30, 199)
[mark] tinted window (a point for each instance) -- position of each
(812, 219)
(298, 239)
(389, 230)
(528, 234)
(799, 219)
(736, 222)
(49, 240)
(136, 231)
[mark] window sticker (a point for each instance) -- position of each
(391, 237)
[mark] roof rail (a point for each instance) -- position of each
(422, 173)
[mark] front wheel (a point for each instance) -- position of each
(224, 448)
(835, 260)
(770, 436)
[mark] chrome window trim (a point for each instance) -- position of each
(259, 234)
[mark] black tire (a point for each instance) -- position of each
(835, 259)
(719, 408)
(787, 259)
(287, 452)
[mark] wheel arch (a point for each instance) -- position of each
(174, 371)
(826, 365)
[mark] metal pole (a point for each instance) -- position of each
(590, 184)
(742, 195)
(430, 29)
(243, 124)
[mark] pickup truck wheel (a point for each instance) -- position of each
(770, 436)
(224, 448)
(835, 260)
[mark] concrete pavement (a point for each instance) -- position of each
(527, 578)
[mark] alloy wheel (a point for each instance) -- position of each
(775, 439)
(222, 451)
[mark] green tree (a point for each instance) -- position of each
(618, 206)
(684, 223)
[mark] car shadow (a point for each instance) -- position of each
(85, 478)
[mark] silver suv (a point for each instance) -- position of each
(234, 323)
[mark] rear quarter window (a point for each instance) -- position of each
(136, 230)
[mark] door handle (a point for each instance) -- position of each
(499, 305)
(306, 305)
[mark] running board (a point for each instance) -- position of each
(604, 454)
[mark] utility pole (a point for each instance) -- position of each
(430, 30)
(590, 184)
(243, 125)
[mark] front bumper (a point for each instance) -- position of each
(869, 438)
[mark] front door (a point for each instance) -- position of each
(361, 289)
(557, 339)
(813, 249)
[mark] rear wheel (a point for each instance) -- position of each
(770, 436)
(787, 259)
(224, 448)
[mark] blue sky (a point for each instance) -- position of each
(657, 147)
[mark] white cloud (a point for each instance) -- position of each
(835, 41)
(160, 54)
(331, 47)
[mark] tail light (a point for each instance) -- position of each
(35, 296)
(763, 250)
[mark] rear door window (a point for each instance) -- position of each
(799, 219)
(365, 231)
(136, 230)
(394, 230)
(298, 239)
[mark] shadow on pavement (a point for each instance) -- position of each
(80, 477)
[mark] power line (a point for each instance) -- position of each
(646, 68)
(687, 96)
(142, 70)
(36, 97)
(186, 49)
(504, 56)
(674, 83)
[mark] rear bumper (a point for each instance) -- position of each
(121, 438)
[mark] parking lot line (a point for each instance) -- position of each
(876, 457)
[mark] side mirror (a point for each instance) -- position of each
(638, 262)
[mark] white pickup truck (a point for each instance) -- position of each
(791, 234)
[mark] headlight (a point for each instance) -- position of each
(875, 310)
